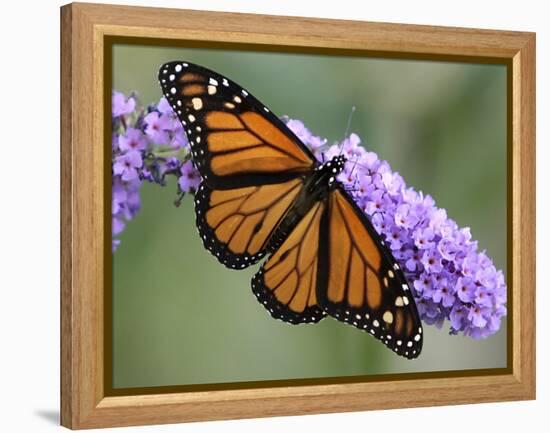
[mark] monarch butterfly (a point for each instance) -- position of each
(264, 193)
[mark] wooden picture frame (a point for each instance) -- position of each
(85, 32)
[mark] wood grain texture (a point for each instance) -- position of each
(524, 216)
(84, 28)
(306, 32)
(67, 394)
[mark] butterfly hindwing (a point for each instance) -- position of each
(286, 283)
(236, 224)
(235, 140)
(361, 284)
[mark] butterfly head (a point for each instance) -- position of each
(333, 168)
(338, 162)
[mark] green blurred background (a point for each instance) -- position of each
(179, 317)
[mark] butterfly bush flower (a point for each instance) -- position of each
(148, 144)
(450, 278)
(122, 105)
(297, 126)
(190, 179)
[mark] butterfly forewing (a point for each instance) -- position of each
(235, 141)
(236, 224)
(362, 283)
(286, 283)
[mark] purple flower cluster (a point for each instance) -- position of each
(147, 145)
(450, 278)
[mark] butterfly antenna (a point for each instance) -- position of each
(358, 164)
(350, 117)
(354, 165)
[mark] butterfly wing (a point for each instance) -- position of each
(286, 283)
(235, 140)
(361, 284)
(236, 225)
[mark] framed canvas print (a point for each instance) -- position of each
(268, 216)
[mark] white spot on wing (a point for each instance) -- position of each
(197, 103)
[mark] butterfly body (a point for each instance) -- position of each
(317, 185)
(265, 194)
